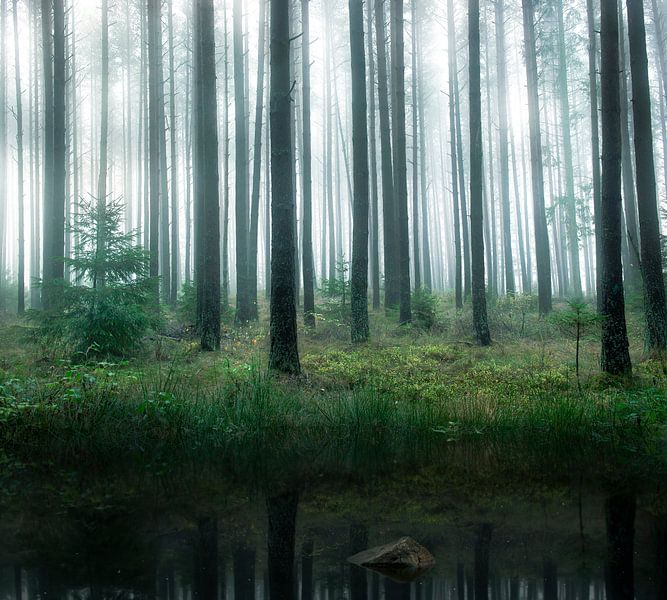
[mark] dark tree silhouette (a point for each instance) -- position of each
(284, 353)
(480, 319)
(615, 358)
(359, 299)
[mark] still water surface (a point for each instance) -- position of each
(498, 528)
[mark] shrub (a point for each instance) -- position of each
(105, 310)
(424, 309)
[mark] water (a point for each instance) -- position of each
(501, 525)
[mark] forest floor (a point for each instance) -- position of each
(407, 383)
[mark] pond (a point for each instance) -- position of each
(501, 522)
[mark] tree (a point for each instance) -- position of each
(451, 53)
(307, 235)
(154, 96)
(173, 292)
(374, 195)
(542, 252)
(19, 151)
(256, 167)
(400, 160)
(3, 144)
(359, 299)
(595, 134)
(503, 142)
(571, 211)
(53, 44)
(615, 357)
(243, 308)
(104, 131)
(284, 353)
(480, 319)
(651, 257)
(391, 296)
(207, 202)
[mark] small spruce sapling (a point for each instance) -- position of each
(576, 321)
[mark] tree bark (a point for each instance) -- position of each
(257, 166)
(19, 160)
(451, 50)
(359, 300)
(173, 136)
(207, 201)
(651, 258)
(307, 225)
(243, 308)
(480, 319)
(284, 354)
(374, 196)
(391, 295)
(615, 358)
(542, 252)
(570, 207)
(503, 142)
(399, 150)
(154, 83)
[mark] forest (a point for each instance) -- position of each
(357, 299)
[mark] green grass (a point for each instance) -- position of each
(407, 386)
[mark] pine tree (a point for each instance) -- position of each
(284, 353)
(615, 358)
(207, 203)
(480, 319)
(651, 257)
(359, 299)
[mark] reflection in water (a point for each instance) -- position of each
(157, 543)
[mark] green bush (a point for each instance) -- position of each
(424, 309)
(105, 310)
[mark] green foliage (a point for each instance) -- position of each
(424, 309)
(105, 310)
(576, 321)
(338, 289)
(186, 308)
(512, 311)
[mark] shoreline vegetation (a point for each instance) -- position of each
(429, 385)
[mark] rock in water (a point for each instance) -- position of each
(403, 560)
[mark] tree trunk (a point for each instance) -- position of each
(542, 251)
(651, 257)
(359, 301)
(3, 146)
(19, 158)
(59, 143)
(243, 308)
(391, 294)
(615, 357)
(257, 166)
(175, 255)
(480, 319)
(207, 202)
(154, 83)
(416, 253)
(372, 134)
(104, 148)
(571, 209)
(451, 46)
(284, 354)
(307, 225)
(503, 142)
(595, 139)
(630, 231)
(225, 171)
(400, 166)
